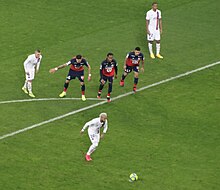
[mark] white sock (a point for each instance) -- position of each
(158, 48)
(25, 84)
(150, 48)
(29, 85)
(92, 148)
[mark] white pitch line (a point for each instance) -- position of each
(46, 99)
(104, 102)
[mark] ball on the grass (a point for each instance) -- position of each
(133, 177)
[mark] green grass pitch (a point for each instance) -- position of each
(168, 134)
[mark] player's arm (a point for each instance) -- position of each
(125, 62)
(142, 65)
(89, 71)
(86, 126)
(116, 70)
(38, 65)
(53, 70)
(161, 28)
(147, 27)
(105, 128)
(26, 63)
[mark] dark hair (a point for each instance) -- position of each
(137, 49)
(109, 54)
(154, 3)
(38, 50)
(79, 57)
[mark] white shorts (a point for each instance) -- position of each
(154, 35)
(31, 74)
(94, 138)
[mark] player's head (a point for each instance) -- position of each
(154, 6)
(137, 50)
(37, 53)
(78, 58)
(110, 56)
(103, 117)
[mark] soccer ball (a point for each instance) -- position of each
(133, 177)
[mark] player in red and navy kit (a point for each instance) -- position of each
(108, 70)
(76, 71)
(132, 62)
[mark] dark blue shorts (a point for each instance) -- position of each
(134, 68)
(75, 74)
(106, 78)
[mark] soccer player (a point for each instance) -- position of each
(31, 66)
(94, 132)
(76, 71)
(108, 70)
(132, 62)
(154, 29)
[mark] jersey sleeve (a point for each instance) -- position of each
(128, 56)
(160, 15)
(92, 122)
(26, 62)
(105, 127)
(68, 63)
(86, 63)
(147, 16)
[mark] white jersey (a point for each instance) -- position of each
(95, 125)
(32, 62)
(153, 18)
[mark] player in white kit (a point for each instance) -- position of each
(154, 29)
(94, 132)
(31, 66)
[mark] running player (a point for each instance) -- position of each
(31, 66)
(76, 71)
(154, 29)
(132, 62)
(108, 70)
(94, 132)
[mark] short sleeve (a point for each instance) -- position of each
(160, 15)
(147, 16)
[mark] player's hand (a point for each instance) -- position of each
(148, 32)
(81, 132)
(102, 135)
(124, 67)
(161, 31)
(116, 76)
(102, 81)
(142, 69)
(52, 70)
(89, 78)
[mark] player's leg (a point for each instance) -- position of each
(101, 86)
(30, 78)
(110, 82)
(82, 84)
(157, 38)
(94, 138)
(24, 88)
(127, 70)
(71, 75)
(66, 85)
(136, 73)
(150, 38)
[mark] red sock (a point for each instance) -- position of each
(65, 89)
(83, 92)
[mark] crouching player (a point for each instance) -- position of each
(94, 132)
(132, 62)
(76, 71)
(108, 70)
